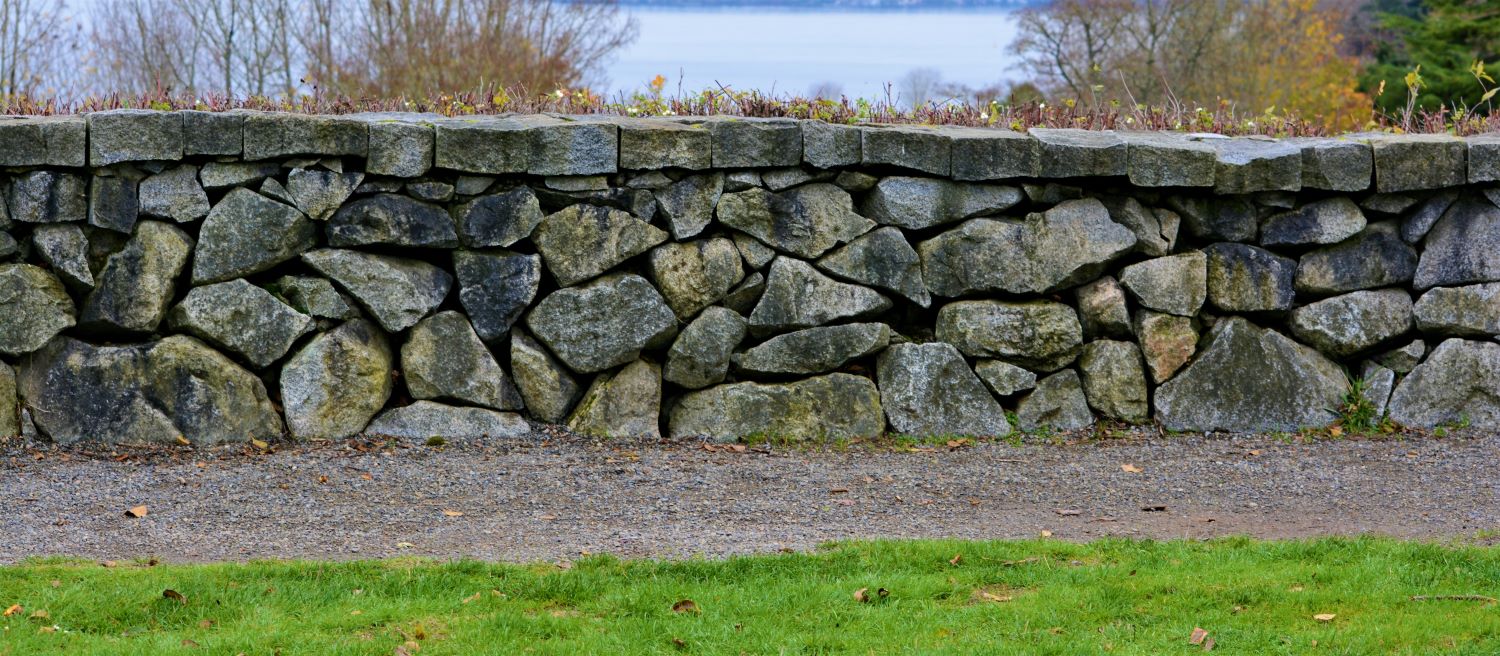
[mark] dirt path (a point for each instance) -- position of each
(552, 498)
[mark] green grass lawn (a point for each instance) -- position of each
(1034, 597)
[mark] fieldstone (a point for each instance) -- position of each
(1176, 284)
(274, 190)
(1114, 380)
(1251, 379)
(158, 392)
(1484, 158)
(248, 233)
(8, 245)
(314, 297)
(741, 180)
(1419, 161)
(319, 193)
(755, 254)
(814, 350)
(114, 203)
(444, 360)
(473, 185)
(44, 141)
(64, 247)
(1469, 311)
(434, 191)
(991, 153)
(10, 415)
(742, 299)
(662, 144)
(278, 134)
(241, 318)
(806, 221)
(335, 384)
(1039, 335)
(1244, 278)
(920, 203)
(1282, 200)
(400, 148)
(221, 175)
(48, 197)
(1403, 360)
(835, 406)
(1167, 342)
(1377, 385)
(604, 323)
(1458, 384)
(134, 135)
(424, 420)
(1102, 310)
(855, 181)
(1051, 193)
(495, 287)
(915, 147)
(797, 296)
(174, 194)
(1463, 247)
(1377, 257)
(783, 179)
(1250, 165)
(1164, 159)
(582, 241)
(741, 142)
(626, 403)
(928, 389)
(396, 291)
(700, 355)
(1155, 229)
(389, 219)
(545, 385)
(1416, 225)
(1073, 153)
(1336, 164)
(134, 289)
(688, 204)
(830, 145)
(1067, 245)
(535, 144)
(498, 219)
(1327, 221)
(881, 258)
(1004, 378)
(695, 275)
(1388, 203)
(1344, 325)
(34, 307)
(1057, 403)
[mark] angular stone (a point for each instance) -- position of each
(48, 197)
(1073, 153)
(43, 141)
(835, 406)
(1458, 384)
(134, 135)
(157, 392)
(335, 384)
(1336, 164)
(1217, 218)
(1327, 221)
(1244, 278)
(546, 386)
(1419, 161)
(1416, 225)
(604, 323)
(830, 145)
(1344, 325)
(814, 350)
(1388, 203)
(34, 307)
(1249, 379)
(695, 275)
(535, 144)
(498, 219)
(1003, 378)
(174, 194)
(424, 420)
(495, 287)
(741, 180)
(1403, 360)
(1057, 403)
(662, 144)
(1484, 158)
(248, 233)
(1249, 165)
(806, 221)
(1039, 335)
(444, 360)
(582, 241)
(319, 193)
(854, 181)
(1068, 244)
(134, 289)
(314, 297)
(626, 403)
(1463, 247)
(1114, 380)
(241, 318)
(114, 203)
(1469, 311)
(928, 389)
(1162, 159)
(688, 204)
(754, 142)
(797, 296)
(1176, 284)
(1377, 383)
(388, 219)
(755, 254)
(221, 175)
(782, 179)
(700, 356)
(1155, 230)
(10, 415)
(398, 292)
(919, 148)
(742, 299)
(1167, 342)
(1377, 257)
(434, 191)
(273, 134)
(64, 247)
(1051, 193)
(473, 185)
(920, 203)
(8, 246)
(992, 154)
(881, 258)
(1102, 310)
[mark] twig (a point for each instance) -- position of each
(1487, 600)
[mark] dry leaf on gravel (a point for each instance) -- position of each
(136, 512)
(685, 606)
(1046, 533)
(452, 513)
(260, 444)
(1068, 512)
(1130, 469)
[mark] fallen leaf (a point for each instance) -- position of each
(356, 612)
(13, 610)
(106, 563)
(1208, 643)
(322, 479)
(260, 444)
(39, 615)
(404, 545)
(137, 512)
(184, 441)
(1198, 636)
(1253, 452)
(737, 448)
(1068, 513)
(1046, 533)
(471, 598)
(452, 513)
(47, 629)
(954, 444)
(844, 502)
(685, 606)
(839, 490)
(990, 596)
(189, 644)
(1130, 469)
(174, 596)
(367, 476)
(547, 518)
(956, 559)
(206, 624)
(861, 595)
(1335, 431)
(1325, 617)
(56, 583)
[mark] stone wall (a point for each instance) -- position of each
(199, 277)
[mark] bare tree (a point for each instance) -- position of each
(35, 37)
(141, 45)
(919, 85)
(826, 89)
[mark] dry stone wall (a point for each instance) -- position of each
(216, 277)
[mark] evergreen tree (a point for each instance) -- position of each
(1444, 37)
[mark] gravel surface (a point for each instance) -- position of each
(555, 496)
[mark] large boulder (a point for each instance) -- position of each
(1102, 309)
(34, 307)
(1459, 384)
(798, 296)
(1114, 380)
(546, 386)
(700, 355)
(920, 203)
(688, 204)
(1167, 342)
(883, 259)
(444, 360)
(806, 221)
(65, 248)
(1039, 335)
(498, 219)
(1248, 379)
(397, 291)
(495, 287)
(335, 384)
(696, 274)
(1469, 311)
(318, 193)
(1464, 246)
(626, 403)
(1328, 221)
(156, 392)
(1062, 247)
(814, 350)
(248, 233)
(928, 389)
(835, 406)
(392, 220)
(1344, 325)
(1244, 278)
(425, 420)
(133, 290)
(1175, 284)
(583, 241)
(1057, 403)
(1376, 257)
(241, 318)
(604, 323)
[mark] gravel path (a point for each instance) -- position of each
(553, 497)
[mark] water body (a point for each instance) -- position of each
(793, 50)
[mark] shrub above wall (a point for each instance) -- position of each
(233, 276)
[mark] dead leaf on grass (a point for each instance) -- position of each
(685, 606)
(472, 598)
(1325, 617)
(40, 615)
(861, 595)
(1198, 636)
(956, 559)
(136, 512)
(15, 608)
(174, 596)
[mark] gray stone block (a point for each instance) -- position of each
(829, 145)
(918, 148)
(134, 135)
(1246, 165)
(1419, 161)
(992, 154)
(1484, 158)
(43, 141)
(754, 142)
(648, 144)
(1336, 164)
(540, 145)
(269, 135)
(1156, 159)
(1073, 153)
(212, 133)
